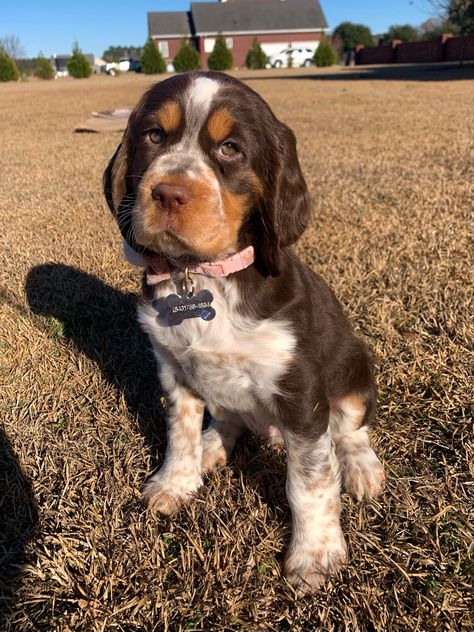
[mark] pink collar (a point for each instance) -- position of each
(157, 270)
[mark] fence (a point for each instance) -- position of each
(443, 48)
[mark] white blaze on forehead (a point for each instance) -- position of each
(201, 93)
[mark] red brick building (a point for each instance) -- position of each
(276, 24)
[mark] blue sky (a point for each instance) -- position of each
(52, 25)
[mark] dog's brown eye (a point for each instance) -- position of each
(228, 150)
(156, 136)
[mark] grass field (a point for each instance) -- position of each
(388, 161)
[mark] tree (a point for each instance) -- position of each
(458, 13)
(43, 68)
(353, 34)
(116, 53)
(8, 69)
(461, 14)
(12, 46)
(78, 65)
(152, 60)
(256, 57)
(434, 27)
(403, 32)
(187, 58)
(221, 57)
(325, 54)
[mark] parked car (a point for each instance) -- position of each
(299, 56)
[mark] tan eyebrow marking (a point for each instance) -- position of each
(169, 116)
(220, 125)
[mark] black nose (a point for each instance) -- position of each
(171, 197)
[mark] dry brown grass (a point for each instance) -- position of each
(388, 162)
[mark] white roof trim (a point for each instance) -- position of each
(261, 32)
(187, 36)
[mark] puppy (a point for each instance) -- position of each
(208, 193)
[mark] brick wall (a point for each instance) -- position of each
(443, 48)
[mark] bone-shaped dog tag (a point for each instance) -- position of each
(173, 309)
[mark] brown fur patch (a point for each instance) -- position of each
(169, 116)
(220, 125)
(119, 171)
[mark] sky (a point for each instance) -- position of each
(51, 26)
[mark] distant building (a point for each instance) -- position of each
(276, 24)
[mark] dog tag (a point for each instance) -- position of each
(173, 309)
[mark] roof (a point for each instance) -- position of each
(257, 16)
(168, 23)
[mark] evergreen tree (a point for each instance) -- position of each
(78, 65)
(256, 58)
(221, 57)
(325, 54)
(43, 68)
(187, 58)
(152, 61)
(8, 69)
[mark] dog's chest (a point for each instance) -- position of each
(234, 362)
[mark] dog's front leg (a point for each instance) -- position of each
(180, 475)
(317, 547)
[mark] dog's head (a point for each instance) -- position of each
(205, 169)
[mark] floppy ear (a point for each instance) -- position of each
(114, 177)
(286, 207)
(115, 188)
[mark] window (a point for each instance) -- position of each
(209, 44)
(163, 48)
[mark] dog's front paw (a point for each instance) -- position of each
(308, 564)
(362, 473)
(166, 494)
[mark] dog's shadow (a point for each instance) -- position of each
(101, 322)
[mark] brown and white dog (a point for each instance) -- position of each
(208, 193)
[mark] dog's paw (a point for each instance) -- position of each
(362, 473)
(308, 565)
(214, 454)
(167, 494)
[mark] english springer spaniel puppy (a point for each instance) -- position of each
(208, 193)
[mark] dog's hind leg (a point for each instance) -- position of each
(362, 473)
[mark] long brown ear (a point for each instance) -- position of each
(286, 209)
(114, 176)
(115, 188)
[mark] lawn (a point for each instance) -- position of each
(388, 162)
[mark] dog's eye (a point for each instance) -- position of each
(156, 136)
(228, 150)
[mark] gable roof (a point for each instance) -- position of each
(257, 16)
(169, 23)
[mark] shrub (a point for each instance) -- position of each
(325, 54)
(256, 58)
(152, 61)
(187, 58)
(8, 69)
(43, 68)
(221, 57)
(78, 65)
